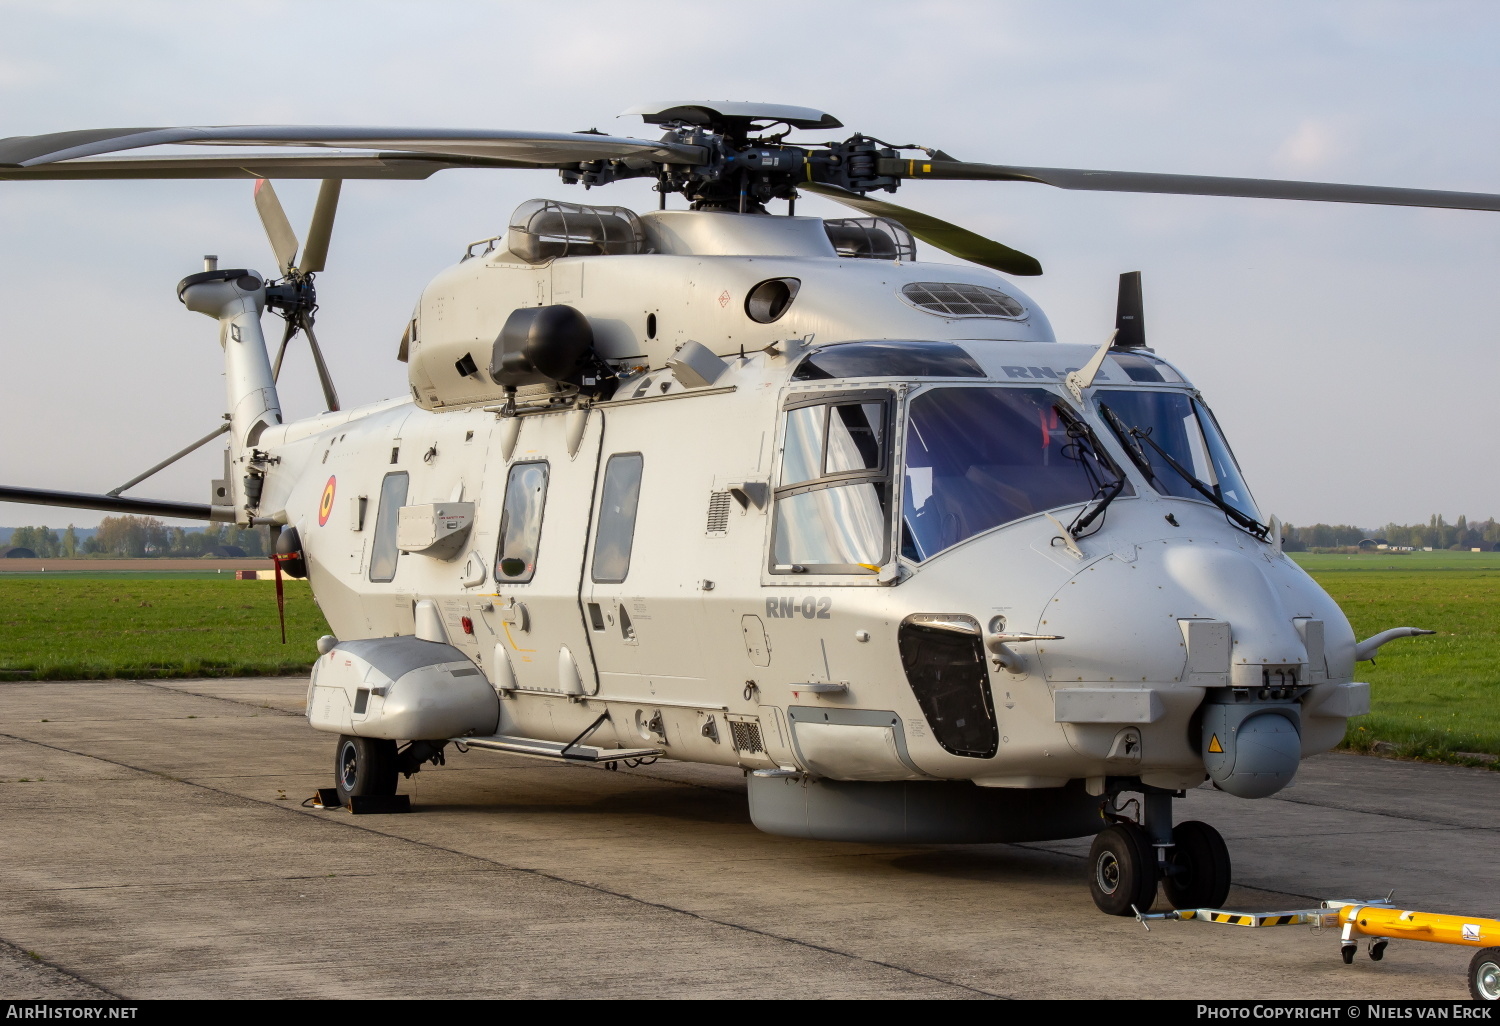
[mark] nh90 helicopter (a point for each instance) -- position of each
(769, 492)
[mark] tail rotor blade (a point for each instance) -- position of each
(278, 228)
(330, 396)
(949, 238)
(315, 253)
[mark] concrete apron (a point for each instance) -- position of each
(151, 855)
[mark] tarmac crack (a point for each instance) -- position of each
(217, 698)
(1384, 815)
(31, 956)
(536, 873)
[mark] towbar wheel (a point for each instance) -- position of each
(364, 766)
(1484, 975)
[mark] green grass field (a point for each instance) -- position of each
(1316, 562)
(1432, 697)
(124, 626)
(1436, 696)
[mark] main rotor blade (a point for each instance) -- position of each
(278, 228)
(315, 253)
(527, 149)
(330, 396)
(397, 166)
(949, 238)
(118, 504)
(1189, 185)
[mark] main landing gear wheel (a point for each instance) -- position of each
(364, 766)
(1122, 867)
(1484, 975)
(1198, 867)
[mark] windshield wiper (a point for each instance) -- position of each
(1244, 522)
(1090, 450)
(1136, 454)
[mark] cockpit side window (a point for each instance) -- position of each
(834, 487)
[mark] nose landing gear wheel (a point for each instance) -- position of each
(364, 766)
(1200, 863)
(1484, 975)
(1122, 867)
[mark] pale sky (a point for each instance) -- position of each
(1349, 351)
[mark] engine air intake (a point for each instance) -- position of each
(542, 230)
(871, 238)
(956, 299)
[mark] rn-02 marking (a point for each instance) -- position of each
(812, 607)
(1047, 373)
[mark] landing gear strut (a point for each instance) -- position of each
(1128, 858)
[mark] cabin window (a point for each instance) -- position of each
(616, 532)
(384, 553)
(834, 489)
(521, 523)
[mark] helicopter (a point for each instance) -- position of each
(767, 491)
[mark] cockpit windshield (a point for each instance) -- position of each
(977, 458)
(1159, 429)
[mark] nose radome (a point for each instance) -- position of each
(1222, 579)
(1122, 621)
(1230, 585)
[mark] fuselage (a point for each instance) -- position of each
(822, 557)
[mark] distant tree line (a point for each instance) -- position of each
(132, 537)
(1437, 533)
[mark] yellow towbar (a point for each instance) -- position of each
(1381, 922)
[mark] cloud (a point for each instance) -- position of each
(1314, 146)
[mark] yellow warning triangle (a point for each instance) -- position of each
(1214, 746)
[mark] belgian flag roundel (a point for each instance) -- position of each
(325, 504)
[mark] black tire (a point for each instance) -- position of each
(1122, 870)
(1484, 975)
(364, 766)
(1201, 859)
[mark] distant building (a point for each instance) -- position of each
(225, 552)
(16, 552)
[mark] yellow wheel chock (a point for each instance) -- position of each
(1380, 921)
